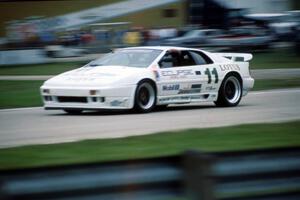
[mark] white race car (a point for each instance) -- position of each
(147, 77)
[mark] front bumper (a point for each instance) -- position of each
(88, 98)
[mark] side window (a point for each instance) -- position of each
(170, 59)
(177, 59)
(200, 58)
(186, 59)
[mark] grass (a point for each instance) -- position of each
(14, 94)
(168, 143)
(276, 84)
(40, 69)
(282, 58)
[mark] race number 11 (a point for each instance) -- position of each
(213, 72)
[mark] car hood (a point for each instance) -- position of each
(96, 76)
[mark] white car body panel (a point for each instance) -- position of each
(113, 87)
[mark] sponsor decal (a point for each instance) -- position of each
(197, 72)
(228, 67)
(211, 88)
(164, 99)
(83, 69)
(174, 98)
(195, 88)
(101, 74)
(85, 76)
(184, 98)
(177, 73)
(85, 73)
(117, 102)
(189, 91)
(170, 87)
(154, 68)
(196, 97)
(156, 75)
(80, 79)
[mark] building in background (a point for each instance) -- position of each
(68, 20)
(142, 13)
(224, 13)
(259, 6)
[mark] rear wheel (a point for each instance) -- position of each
(73, 112)
(230, 92)
(145, 97)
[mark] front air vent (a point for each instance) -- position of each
(72, 99)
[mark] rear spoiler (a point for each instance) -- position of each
(237, 57)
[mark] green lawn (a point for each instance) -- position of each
(282, 58)
(276, 84)
(14, 94)
(40, 69)
(167, 143)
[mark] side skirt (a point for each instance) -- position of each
(161, 100)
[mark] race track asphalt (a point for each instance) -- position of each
(36, 126)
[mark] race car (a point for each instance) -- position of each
(143, 78)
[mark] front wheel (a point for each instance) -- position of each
(145, 97)
(230, 92)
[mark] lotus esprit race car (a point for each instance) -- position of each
(145, 77)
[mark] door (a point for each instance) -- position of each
(210, 74)
(179, 78)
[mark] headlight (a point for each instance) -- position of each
(46, 91)
(93, 92)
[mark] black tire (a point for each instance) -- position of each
(145, 97)
(230, 92)
(73, 112)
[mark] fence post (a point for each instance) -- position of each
(198, 175)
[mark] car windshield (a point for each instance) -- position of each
(128, 57)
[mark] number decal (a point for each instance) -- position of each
(213, 72)
(207, 72)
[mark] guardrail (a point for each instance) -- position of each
(257, 174)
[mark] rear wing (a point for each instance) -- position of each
(237, 57)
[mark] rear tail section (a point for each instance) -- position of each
(242, 59)
(236, 57)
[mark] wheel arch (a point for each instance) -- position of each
(151, 81)
(221, 100)
(236, 74)
(153, 84)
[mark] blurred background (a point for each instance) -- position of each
(40, 39)
(39, 30)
